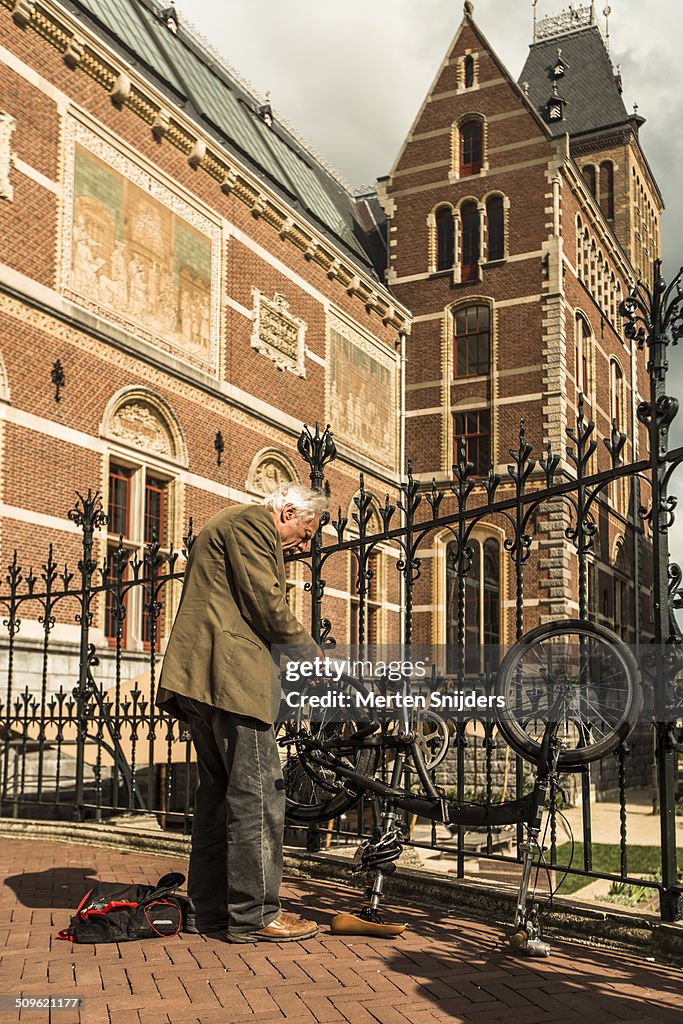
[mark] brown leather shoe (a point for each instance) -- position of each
(284, 928)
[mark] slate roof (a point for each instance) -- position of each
(195, 78)
(589, 86)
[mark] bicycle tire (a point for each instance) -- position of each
(313, 793)
(520, 724)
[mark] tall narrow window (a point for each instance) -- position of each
(495, 228)
(482, 618)
(371, 604)
(120, 481)
(583, 340)
(471, 148)
(475, 429)
(445, 238)
(469, 215)
(607, 188)
(138, 513)
(472, 341)
(589, 176)
(617, 394)
(469, 71)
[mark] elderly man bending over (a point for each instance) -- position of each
(218, 677)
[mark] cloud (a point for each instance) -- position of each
(351, 77)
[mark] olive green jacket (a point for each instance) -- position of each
(232, 611)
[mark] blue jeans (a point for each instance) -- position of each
(238, 825)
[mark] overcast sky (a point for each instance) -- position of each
(351, 76)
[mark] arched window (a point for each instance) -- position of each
(590, 178)
(445, 238)
(469, 71)
(146, 450)
(583, 352)
(579, 248)
(471, 147)
(482, 618)
(607, 188)
(469, 216)
(616, 394)
(495, 228)
(472, 330)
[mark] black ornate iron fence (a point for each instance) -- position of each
(99, 746)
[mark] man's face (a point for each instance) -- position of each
(295, 533)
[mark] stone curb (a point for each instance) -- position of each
(493, 902)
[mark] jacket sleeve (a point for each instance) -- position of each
(251, 557)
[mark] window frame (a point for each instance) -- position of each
(482, 537)
(474, 436)
(499, 200)
(470, 271)
(461, 309)
(471, 167)
(140, 470)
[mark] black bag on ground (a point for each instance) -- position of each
(114, 912)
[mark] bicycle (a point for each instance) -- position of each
(571, 695)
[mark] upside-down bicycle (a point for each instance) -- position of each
(571, 695)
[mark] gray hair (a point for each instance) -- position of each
(307, 502)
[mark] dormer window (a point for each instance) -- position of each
(265, 112)
(555, 106)
(169, 16)
(559, 67)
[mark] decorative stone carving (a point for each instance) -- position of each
(120, 91)
(268, 470)
(23, 12)
(7, 126)
(197, 153)
(74, 52)
(161, 124)
(139, 424)
(278, 334)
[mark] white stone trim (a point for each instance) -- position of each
(7, 126)
(270, 316)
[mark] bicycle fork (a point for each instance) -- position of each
(527, 936)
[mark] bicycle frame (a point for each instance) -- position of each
(377, 856)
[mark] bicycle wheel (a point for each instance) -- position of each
(577, 674)
(310, 745)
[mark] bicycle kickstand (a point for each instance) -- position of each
(527, 936)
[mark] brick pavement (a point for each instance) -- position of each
(443, 968)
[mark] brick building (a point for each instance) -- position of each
(183, 284)
(519, 214)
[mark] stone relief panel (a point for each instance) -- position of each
(138, 254)
(7, 126)
(278, 334)
(362, 392)
(268, 470)
(139, 424)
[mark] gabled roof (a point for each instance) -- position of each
(588, 86)
(195, 78)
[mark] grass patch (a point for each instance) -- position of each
(641, 860)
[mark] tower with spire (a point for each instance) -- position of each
(519, 214)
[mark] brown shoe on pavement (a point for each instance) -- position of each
(283, 928)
